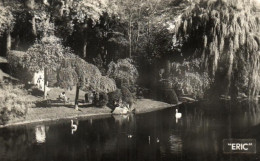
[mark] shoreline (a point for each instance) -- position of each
(41, 114)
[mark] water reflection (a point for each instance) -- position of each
(40, 134)
(74, 126)
(153, 136)
(121, 119)
(175, 144)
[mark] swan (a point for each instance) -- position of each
(130, 136)
(74, 127)
(177, 114)
(157, 140)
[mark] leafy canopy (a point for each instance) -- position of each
(6, 19)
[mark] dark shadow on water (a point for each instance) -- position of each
(154, 136)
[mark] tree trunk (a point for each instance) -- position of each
(30, 4)
(130, 37)
(34, 26)
(77, 97)
(85, 49)
(8, 42)
(148, 35)
(167, 68)
(45, 84)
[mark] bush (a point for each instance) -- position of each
(107, 84)
(169, 96)
(103, 99)
(113, 97)
(13, 103)
(127, 96)
(123, 72)
(187, 80)
(66, 77)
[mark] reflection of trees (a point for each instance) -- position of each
(206, 125)
(252, 114)
(175, 144)
(15, 143)
(203, 131)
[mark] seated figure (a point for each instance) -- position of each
(63, 97)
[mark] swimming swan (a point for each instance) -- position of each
(74, 127)
(177, 114)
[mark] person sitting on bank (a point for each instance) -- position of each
(63, 97)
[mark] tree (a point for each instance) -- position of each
(47, 53)
(82, 15)
(6, 25)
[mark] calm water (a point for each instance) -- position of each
(197, 136)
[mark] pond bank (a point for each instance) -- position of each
(56, 113)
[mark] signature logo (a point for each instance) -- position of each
(239, 146)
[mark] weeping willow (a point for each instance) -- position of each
(225, 36)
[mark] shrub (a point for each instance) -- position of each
(113, 97)
(127, 96)
(13, 103)
(103, 99)
(7, 19)
(107, 84)
(90, 75)
(66, 77)
(187, 79)
(169, 96)
(123, 72)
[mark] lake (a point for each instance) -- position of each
(155, 136)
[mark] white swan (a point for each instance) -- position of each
(177, 114)
(130, 136)
(157, 140)
(74, 127)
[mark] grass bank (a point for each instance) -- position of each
(40, 114)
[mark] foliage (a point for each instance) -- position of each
(113, 97)
(223, 34)
(6, 19)
(122, 94)
(107, 84)
(66, 77)
(123, 72)
(51, 54)
(188, 80)
(103, 99)
(15, 59)
(127, 96)
(14, 103)
(89, 75)
(46, 53)
(91, 9)
(169, 96)
(44, 26)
